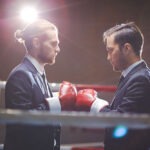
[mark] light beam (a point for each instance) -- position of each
(28, 14)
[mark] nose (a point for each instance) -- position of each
(58, 49)
(108, 57)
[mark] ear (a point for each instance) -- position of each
(127, 48)
(36, 42)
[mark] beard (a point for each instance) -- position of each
(47, 55)
(46, 59)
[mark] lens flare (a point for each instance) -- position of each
(120, 131)
(28, 14)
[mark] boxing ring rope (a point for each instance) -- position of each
(101, 88)
(2, 84)
(75, 119)
(78, 119)
(55, 87)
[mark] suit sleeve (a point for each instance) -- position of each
(19, 93)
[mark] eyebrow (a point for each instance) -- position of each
(109, 48)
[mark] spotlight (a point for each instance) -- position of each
(28, 14)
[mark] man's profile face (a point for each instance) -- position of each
(115, 54)
(49, 47)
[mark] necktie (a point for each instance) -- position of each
(45, 85)
(121, 79)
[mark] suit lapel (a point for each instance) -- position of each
(133, 71)
(38, 80)
(36, 75)
(49, 89)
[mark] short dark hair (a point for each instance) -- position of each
(127, 33)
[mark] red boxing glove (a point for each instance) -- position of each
(87, 100)
(67, 95)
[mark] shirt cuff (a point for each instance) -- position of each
(98, 104)
(54, 104)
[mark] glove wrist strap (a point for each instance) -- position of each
(54, 104)
(98, 104)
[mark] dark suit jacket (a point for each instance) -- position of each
(24, 90)
(132, 96)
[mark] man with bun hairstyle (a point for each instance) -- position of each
(27, 88)
(124, 45)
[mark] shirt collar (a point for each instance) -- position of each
(36, 64)
(126, 71)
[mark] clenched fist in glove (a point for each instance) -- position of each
(65, 100)
(87, 100)
(67, 96)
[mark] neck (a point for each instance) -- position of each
(34, 55)
(131, 60)
(136, 59)
(37, 64)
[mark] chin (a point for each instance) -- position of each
(51, 62)
(115, 69)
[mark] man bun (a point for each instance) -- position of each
(19, 36)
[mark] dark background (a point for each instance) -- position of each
(81, 24)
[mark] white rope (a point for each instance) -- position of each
(55, 87)
(2, 84)
(79, 119)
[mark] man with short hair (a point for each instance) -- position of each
(124, 45)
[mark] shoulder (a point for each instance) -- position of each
(140, 72)
(20, 75)
(139, 80)
(24, 69)
(18, 71)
